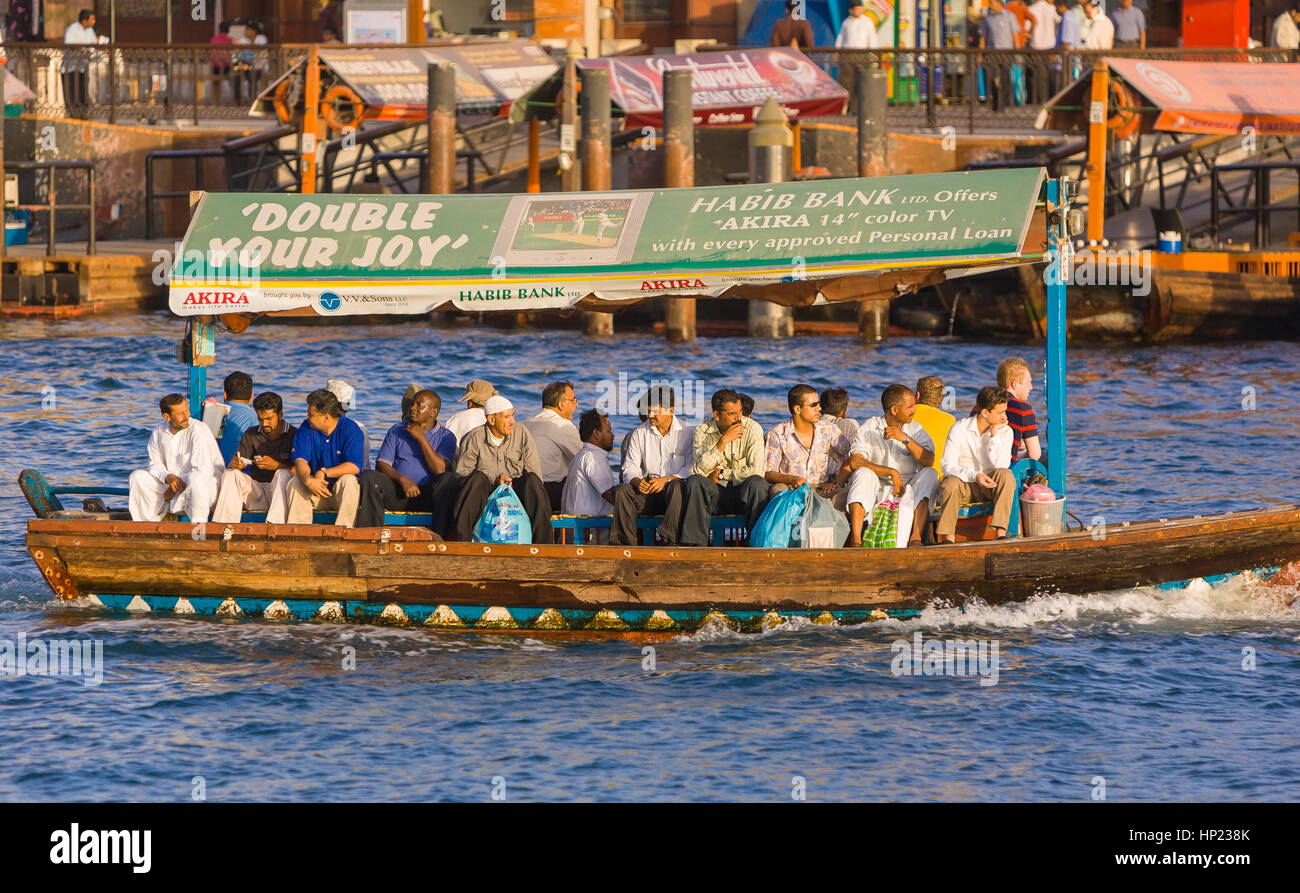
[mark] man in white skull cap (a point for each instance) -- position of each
(344, 391)
(500, 452)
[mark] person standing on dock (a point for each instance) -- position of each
(975, 465)
(76, 64)
(1101, 34)
(856, 33)
(892, 447)
(659, 458)
(500, 452)
(327, 458)
(791, 31)
(414, 471)
(257, 476)
(1069, 36)
(238, 392)
(1130, 26)
(184, 470)
(998, 30)
(727, 476)
(556, 436)
(1286, 30)
(1047, 22)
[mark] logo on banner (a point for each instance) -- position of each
(1164, 82)
(330, 302)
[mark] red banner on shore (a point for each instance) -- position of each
(729, 87)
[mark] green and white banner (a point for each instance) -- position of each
(342, 254)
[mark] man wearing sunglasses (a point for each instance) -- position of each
(807, 449)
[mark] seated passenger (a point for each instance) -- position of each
(747, 406)
(892, 454)
(344, 391)
(936, 422)
(184, 467)
(975, 461)
(835, 406)
(590, 483)
(414, 471)
(327, 459)
(556, 436)
(258, 477)
(495, 453)
(238, 391)
(728, 470)
(466, 420)
(659, 457)
(641, 420)
(807, 448)
(1026, 451)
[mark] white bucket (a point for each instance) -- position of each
(1042, 518)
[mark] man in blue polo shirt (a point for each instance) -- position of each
(414, 470)
(239, 393)
(327, 457)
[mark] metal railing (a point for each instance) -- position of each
(1262, 208)
(52, 205)
(955, 86)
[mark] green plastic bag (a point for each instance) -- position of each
(883, 531)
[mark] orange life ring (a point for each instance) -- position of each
(1126, 118)
(280, 99)
(332, 104)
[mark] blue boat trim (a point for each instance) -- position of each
(465, 617)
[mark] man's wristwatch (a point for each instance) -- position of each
(907, 442)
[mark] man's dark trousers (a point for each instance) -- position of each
(704, 499)
(380, 493)
(630, 503)
(475, 489)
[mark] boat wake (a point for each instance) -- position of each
(1239, 598)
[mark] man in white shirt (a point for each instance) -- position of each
(556, 436)
(1046, 19)
(184, 468)
(77, 62)
(1286, 34)
(590, 484)
(660, 454)
(975, 465)
(892, 455)
(472, 416)
(1101, 34)
(857, 32)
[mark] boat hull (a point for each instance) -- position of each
(404, 575)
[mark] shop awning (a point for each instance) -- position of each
(729, 87)
(394, 85)
(803, 243)
(1189, 97)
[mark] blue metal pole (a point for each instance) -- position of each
(198, 390)
(1054, 385)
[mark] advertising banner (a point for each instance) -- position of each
(341, 254)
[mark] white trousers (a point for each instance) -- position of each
(147, 503)
(240, 493)
(868, 491)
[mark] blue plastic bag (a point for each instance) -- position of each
(504, 519)
(780, 520)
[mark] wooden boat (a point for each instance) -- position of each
(403, 574)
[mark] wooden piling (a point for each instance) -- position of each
(770, 141)
(442, 130)
(679, 172)
(596, 164)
